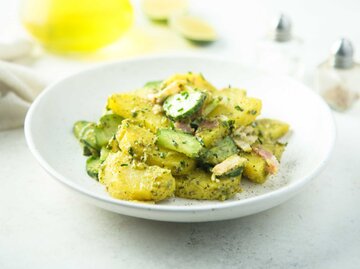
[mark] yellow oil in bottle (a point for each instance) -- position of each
(76, 25)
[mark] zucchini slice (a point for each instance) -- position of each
(93, 166)
(179, 141)
(162, 10)
(194, 29)
(184, 104)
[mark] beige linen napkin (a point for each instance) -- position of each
(18, 86)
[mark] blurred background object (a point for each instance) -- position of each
(162, 10)
(76, 26)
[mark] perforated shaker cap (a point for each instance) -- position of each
(281, 28)
(342, 53)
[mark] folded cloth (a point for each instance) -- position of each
(18, 88)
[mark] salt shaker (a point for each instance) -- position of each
(338, 78)
(281, 52)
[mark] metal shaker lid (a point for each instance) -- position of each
(342, 53)
(281, 28)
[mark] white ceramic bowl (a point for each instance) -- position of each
(48, 130)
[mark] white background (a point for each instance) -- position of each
(43, 225)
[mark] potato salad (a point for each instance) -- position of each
(181, 137)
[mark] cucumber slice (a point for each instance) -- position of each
(106, 128)
(162, 10)
(153, 84)
(194, 29)
(223, 149)
(78, 126)
(234, 173)
(93, 166)
(88, 151)
(104, 152)
(88, 138)
(179, 141)
(184, 104)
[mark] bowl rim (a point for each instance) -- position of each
(278, 193)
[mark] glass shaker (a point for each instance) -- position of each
(281, 52)
(338, 78)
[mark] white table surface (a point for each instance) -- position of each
(43, 225)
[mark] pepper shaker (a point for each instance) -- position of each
(338, 78)
(281, 52)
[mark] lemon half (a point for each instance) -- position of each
(162, 10)
(194, 29)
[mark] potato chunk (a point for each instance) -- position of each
(198, 185)
(193, 80)
(140, 143)
(255, 168)
(132, 106)
(127, 180)
(237, 106)
(270, 129)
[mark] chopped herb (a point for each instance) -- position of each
(252, 112)
(131, 151)
(174, 143)
(200, 141)
(181, 109)
(228, 123)
(185, 94)
(162, 155)
(239, 108)
(134, 113)
(172, 126)
(189, 72)
(182, 163)
(124, 164)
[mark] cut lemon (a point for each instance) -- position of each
(162, 10)
(194, 29)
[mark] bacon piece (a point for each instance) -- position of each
(208, 124)
(270, 159)
(184, 127)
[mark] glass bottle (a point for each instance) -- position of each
(76, 26)
(281, 52)
(338, 78)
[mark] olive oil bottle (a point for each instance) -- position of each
(68, 26)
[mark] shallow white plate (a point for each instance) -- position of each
(48, 130)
